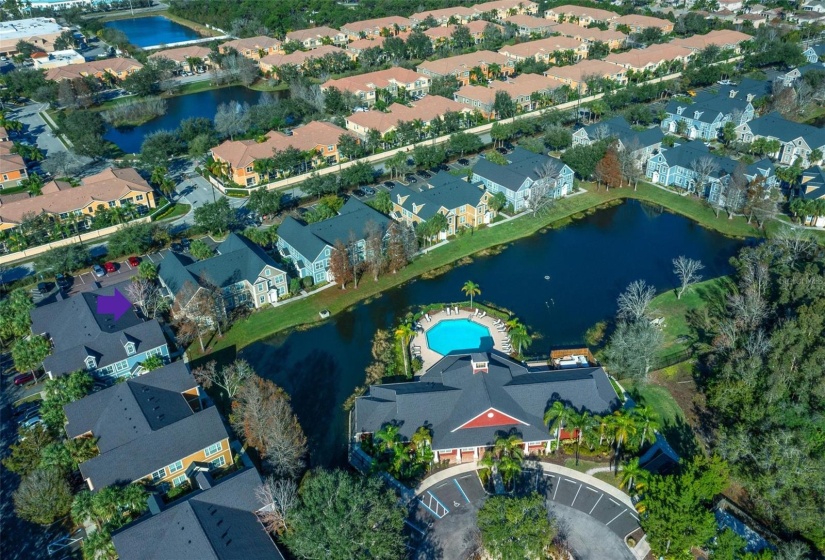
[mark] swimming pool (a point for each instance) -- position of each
(459, 335)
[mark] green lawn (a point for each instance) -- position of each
(174, 211)
(658, 398)
(678, 334)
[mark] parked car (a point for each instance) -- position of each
(186, 242)
(28, 415)
(503, 151)
(389, 184)
(424, 174)
(464, 161)
(43, 288)
(359, 192)
(98, 271)
(25, 410)
(23, 378)
(134, 262)
(369, 191)
(110, 266)
(31, 422)
(176, 247)
(63, 281)
(410, 179)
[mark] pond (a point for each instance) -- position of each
(589, 263)
(200, 104)
(153, 30)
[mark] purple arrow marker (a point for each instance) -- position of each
(116, 305)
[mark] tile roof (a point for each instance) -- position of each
(444, 13)
(477, 26)
(522, 165)
(240, 153)
(720, 37)
(589, 67)
(299, 58)
(450, 394)
(302, 35)
(110, 184)
(217, 523)
(77, 330)
(463, 62)
(309, 240)
(182, 53)
(427, 109)
(110, 65)
(582, 12)
(375, 80)
(366, 43)
(447, 191)
(528, 21)
(636, 20)
(237, 259)
(10, 162)
(377, 23)
(521, 86)
(504, 5)
(654, 54)
(588, 34)
(252, 43)
(541, 46)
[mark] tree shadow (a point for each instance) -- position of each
(681, 437)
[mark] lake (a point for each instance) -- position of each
(589, 263)
(200, 104)
(153, 30)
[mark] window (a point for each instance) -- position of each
(212, 449)
(178, 480)
(175, 467)
(330, 148)
(261, 299)
(5, 177)
(130, 348)
(260, 287)
(159, 474)
(267, 272)
(139, 197)
(122, 365)
(112, 203)
(91, 362)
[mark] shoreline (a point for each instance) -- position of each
(202, 30)
(304, 314)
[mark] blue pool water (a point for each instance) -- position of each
(457, 335)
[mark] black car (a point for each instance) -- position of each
(410, 179)
(509, 146)
(186, 242)
(43, 287)
(464, 161)
(63, 281)
(359, 192)
(177, 247)
(25, 410)
(424, 174)
(389, 184)
(502, 151)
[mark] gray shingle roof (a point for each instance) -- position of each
(774, 126)
(621, 129)
(77, 330)
(683, 155)
(813, 183)
(310, 240)
(237, 259)
(522, 164)
(447, 190)
(147, 452)
(449, 395)
(217, 523)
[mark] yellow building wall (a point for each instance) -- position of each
(198, 457)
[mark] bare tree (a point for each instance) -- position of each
(355, 260)
(703, 168)
(230, 378)
(374, 250)
(232, 119)
(599, 133)
(635, 300)
(262, 415)
(794, 243)
(632, 349)
(687, 270)
(147, 295)
(542, 195)
(339, 265)
(735, 194)
(630, 163)
(278, 497)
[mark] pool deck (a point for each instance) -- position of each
(430, 357)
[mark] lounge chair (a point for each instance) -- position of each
(483, 314)
(427, 317)
(447, 309)
(476, 313)
(416, 347)
(456, 309)
(497, 322)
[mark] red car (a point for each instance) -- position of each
(134, 262)
(23, 378)
(110, 266)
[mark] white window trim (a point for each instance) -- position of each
(173, 468)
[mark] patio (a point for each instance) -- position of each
(430, 357)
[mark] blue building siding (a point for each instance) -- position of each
(124, 367)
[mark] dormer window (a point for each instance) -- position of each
(130, 348)
(697, 114)
(91, 362)
(679, 110)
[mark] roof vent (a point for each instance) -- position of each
(480, 363)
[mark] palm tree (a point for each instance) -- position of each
(514, 323)
(509, 446)
(98, 546)
(159, 173)
(422, 441)
(555, 417)
(509, 468)
(134, 497)
(624, 428)
(580, 423)
(476, 75)
(631, 473)
(494, 70)
(83, 509)
(649, 420)
(404, 334)
(390, 436)
(520, 337)
(471, 289)
(801, 208)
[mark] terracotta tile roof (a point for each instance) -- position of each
(582, 12)
(578, 71)
(445, 13)
(73, 71)
(362, 44)
(463, 62)
(635, 20)
(240, 153)
(298, 58)
(374, 80)
(302, 35)
(477, 26)
(440, 32)
(182, 53)
(252, 43)
(529, 22)
(542, 46)
(368, 25)
(3, 132)
(504, 5)
(110, 184)
(11, 162)
(427, 109)
(591, 34)
(654, 54)
(521, 86)
(56, 186)
(721, 38)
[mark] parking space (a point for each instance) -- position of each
(88, 281)
(615, 515)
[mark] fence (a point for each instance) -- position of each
(89, 236)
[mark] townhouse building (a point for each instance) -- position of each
(523, 172)
(60, 201)
(545, 50)
(612, 38)
(457, 15)
(638, 23)
(391, 25)
(501, 9)
(577, 75)
(426, 110)
(487, 63)
(652, 58)
(240, 271)
(270, 63)
(706, 114)
(253, 47)
(528, 91)
(464, 205)
(317, 36)
(319, 139)
(397, 81)
(725, 39)
(812, 187)
(83, 338)
(151, 429)
(193, 58)
(815, 53)
(12, 166)
(110, 68)
(579, 15)
(309, 246)
(530, 25)
(797, 141)
(643, 143)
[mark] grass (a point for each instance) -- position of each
(262, 85)
(304, 312)
(658, 398)
(13, 190)
(583, 466)
(174, 211)
(677, 332)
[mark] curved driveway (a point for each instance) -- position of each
(442, 516)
